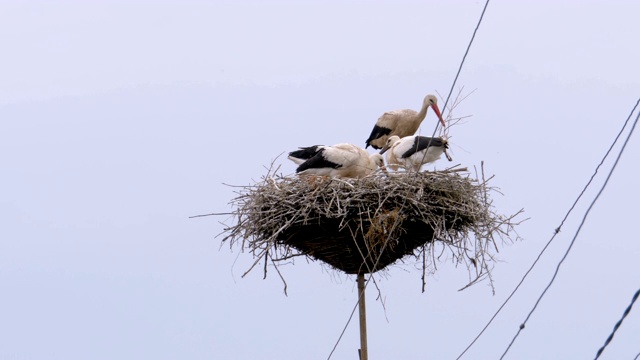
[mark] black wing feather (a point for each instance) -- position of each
(376, 133)
(422, 142)
(316, 162)
(305, 153)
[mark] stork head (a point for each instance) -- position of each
(432, 100)
(390, 141)
(378, 160)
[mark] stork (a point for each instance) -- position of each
(340, 160)
(411, 152)
(401, 122)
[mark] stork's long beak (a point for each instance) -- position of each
(437, 111)
(384, 148)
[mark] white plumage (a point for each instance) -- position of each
(411, 152)
(340, 160)
(401, 122)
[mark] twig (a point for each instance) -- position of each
(212, 214)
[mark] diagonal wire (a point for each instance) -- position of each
(465, 55)
(584, 219)
(453, 85)
(556, 231)
(615, 328)
(397, 219)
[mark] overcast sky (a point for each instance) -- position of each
(119, 120)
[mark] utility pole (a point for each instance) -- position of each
(364, 354)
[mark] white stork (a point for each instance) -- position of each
(340, 160)
(401, 122)
(411, 152)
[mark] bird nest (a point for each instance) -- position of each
(365, 225)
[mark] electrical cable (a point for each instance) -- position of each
(556, 231)
(617, 325)
(584, 218)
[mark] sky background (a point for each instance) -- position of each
(119, 120)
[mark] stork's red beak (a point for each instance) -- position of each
(437, 111)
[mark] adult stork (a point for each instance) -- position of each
(411, 152)
(340, 160)
(401, 122)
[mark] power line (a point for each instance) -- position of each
(556, 231)
(396, 222)
(455, 79)
(584, 218)
(464, 57)
(615, 328)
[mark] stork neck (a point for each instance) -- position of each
(423, 112)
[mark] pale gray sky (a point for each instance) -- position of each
(118, 120)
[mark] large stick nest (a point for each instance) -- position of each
(364, 225)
